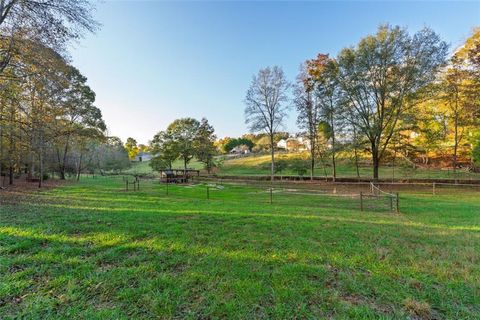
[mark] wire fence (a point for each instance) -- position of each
(362, 196)
(278, 194)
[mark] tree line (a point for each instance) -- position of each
(48, 118)
(391, 92)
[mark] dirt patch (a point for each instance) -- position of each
(21, 190)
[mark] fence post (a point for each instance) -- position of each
(361, 201)
(208, 192)
(138, 185)
(167, 186)
(126, 185)
(433, 186)
(398, 203)
(391, 203)
(271, 195)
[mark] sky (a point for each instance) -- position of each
(152, 62)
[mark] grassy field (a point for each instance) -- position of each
(259, 165)
(143, 168)
(93, 251)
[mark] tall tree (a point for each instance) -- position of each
(183, 132)
(77, 115)
(461, 93)
(205, 144)
(383, 76)
(48, 104)
(266, 105)
(325, 74)
(305, 100)
(49, 22)
(164, 149)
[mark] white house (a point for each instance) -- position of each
(282, 144)
(293, 144)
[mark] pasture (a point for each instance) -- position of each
(92, 250)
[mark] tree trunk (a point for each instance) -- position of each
(40, 169)
(10, 174)
(312, 165)
(11, 147)
(356, 161)
(375, 161)
(272, 173)
(64, 161)
(79, 168)
(455, 147)
(312, 157)
(61, 172)
(334, 166)
(355, 151)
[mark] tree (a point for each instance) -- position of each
(459, 96)
(308, 110)
(78, 115)
(132, 148)
(205, 144)
(51, 23)
(221, 143)
(266, 107)
(165, 150)
(456, 105)
(476, 152)
(383, 77)
(183, 132)
(110, 155)
(324, 72)
(235, 142)
(45, 106)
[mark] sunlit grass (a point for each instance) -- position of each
(258, 164)
(93, 250)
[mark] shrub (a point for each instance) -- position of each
(300, 167)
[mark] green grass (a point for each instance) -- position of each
(91, 250)
(258, 165)
(143, 168)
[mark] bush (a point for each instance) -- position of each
(45, 177)
(476, 154)
(300, 167)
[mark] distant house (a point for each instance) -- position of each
(282, 144)
(143, 156)
(241, 149)
(294, 144)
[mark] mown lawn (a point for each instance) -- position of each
(91, 250)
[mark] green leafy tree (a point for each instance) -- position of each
(132, 148)
(232, 143)
(164, 149)
(205, 144)
(383, 77)
(299, 166)
(183, 133)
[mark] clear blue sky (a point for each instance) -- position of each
(153, 62)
